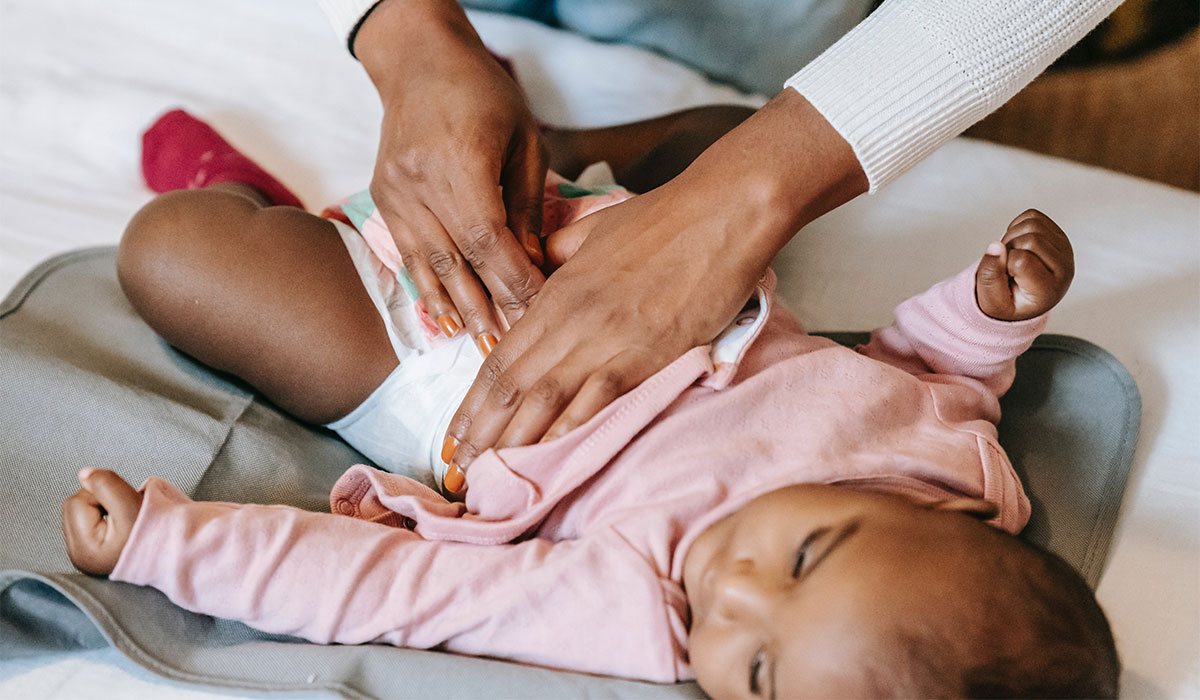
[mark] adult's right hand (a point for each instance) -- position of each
(460, 171)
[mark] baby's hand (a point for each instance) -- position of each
(97, 520)
(1027, 272)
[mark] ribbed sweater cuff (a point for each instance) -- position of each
(891, 91)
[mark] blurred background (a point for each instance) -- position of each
(1126, 98)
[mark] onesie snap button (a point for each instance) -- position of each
(345, 507)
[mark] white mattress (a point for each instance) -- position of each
(79, 80)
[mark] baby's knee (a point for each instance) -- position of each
(148, 239)
(168, 243)
(170, 232)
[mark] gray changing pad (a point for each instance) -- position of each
(85, 383)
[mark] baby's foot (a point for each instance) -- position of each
(180, 152)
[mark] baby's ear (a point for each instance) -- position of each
(974, 507)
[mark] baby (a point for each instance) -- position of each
(772, 514)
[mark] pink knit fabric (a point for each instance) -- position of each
(569, 554)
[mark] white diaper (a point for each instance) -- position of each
(400, 425)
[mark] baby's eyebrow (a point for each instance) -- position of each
(843, 533)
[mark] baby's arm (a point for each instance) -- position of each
(977, 323)
(334, 578)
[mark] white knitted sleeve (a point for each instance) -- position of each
(916, 73)
(344, 15)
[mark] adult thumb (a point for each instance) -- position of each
(523, 185)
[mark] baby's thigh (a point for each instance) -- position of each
(267, 294)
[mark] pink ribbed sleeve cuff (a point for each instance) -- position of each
(945, 327)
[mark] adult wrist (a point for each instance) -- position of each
(779, 170)
(396, 36)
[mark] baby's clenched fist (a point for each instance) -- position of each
(1027, 272)
(97, 520)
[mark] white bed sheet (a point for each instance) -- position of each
(80, 80)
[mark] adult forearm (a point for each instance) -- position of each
(916, 73)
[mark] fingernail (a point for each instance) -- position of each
(449, 325)
(85, 473)
(454, 479)
(995, 248)
(534, 248)
(487, 341)
(449, 445)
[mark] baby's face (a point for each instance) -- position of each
(791, 593)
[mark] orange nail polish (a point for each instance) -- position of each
(487, 341)
(449, 325)
(449, 445)
(454, 479)
(534, 248)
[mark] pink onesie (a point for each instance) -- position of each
(570, 553)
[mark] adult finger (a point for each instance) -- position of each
(460, 282)
(433, 295)
(448, 289)
(522, 185)
(476, 220)
(601, 388)
(498, 392)
(542, 404)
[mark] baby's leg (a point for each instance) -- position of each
(268, 294)
(644, 154)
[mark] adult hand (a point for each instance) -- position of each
(97, 520)
(655, 276)
(460, 171)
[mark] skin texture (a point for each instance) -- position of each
(312, 341)
(1027, 272)
(610, 317)
(190, 258)
(97, 520)
(458, 177)
(788, 593)
(785, 594)
(458, 181)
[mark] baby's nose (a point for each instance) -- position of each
(743, 594)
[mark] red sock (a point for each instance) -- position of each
(180, 152)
